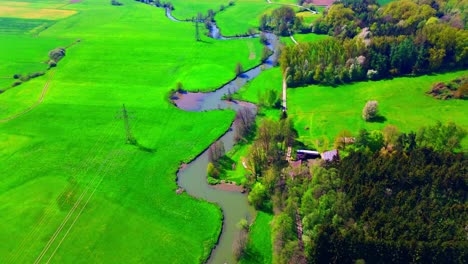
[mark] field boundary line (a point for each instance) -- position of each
(38, 102)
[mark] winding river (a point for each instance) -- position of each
(192, 177)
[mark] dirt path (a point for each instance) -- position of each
(41, 98)
(293, 39)
(285, 87)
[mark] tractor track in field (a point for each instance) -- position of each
(38, 102)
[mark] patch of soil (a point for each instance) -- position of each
(229, 187)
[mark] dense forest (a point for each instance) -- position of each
(405, 37)
(393, 198)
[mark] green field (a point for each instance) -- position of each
(241, 17)
(267, 80)
(73, 191)
(259, 247)
(73, 144)
(320, 111)
(186, 9)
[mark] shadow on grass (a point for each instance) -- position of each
(378, 119)
(142, 148)
(252, 256)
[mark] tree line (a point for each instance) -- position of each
(402, 38)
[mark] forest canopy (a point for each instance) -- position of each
(402, 38)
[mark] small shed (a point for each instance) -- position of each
(304, 154)
(330, 155)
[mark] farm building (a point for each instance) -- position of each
(330, 155)
(303, 154)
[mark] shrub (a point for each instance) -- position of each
(239, 69)
(116, 3)
(265, 53)
(36, 74)
(212, 171)
(240, 244)
(258, 196)
(24, 78)
(180, 87)
(57, 54)
(263, 39)
(370, 110)
(16, 84)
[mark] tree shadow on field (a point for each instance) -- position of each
(378, 119)
(142, 148)
(205, 42)
(252, 256)
(146, 149)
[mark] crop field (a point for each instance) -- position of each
(321, 111)
(72, 190)
(27, 12)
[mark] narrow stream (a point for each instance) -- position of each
(192, 177)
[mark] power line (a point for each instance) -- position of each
(130, 138)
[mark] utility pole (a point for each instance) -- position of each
(130, 138)
(197, 31)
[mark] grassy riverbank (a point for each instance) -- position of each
(259, 248)
(72, 144)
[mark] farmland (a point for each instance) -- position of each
(73, 144)
(93, 148)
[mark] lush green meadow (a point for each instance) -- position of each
(268, 80)
(186, 9)
(320, 111)
(241, 17)
(73, 143)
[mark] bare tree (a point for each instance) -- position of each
(244, 123)
(216, 151)
(240, 244)
(239, 69)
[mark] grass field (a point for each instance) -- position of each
(241, 17)
(267, 80)
(259, 247)
(73, 144)
(321, 111)
(190, 8)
